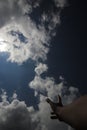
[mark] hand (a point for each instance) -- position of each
(55, 108)
(74, 114)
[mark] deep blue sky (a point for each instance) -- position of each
(15, 78)
(68, 55)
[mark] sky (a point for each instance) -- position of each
(71, 46)
(42, 54)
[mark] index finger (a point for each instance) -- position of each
(52, 104)
(49, 101)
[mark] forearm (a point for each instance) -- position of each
(66, 115)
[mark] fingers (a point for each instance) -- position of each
(49, 101)
(52, 113)
(53, 105)
(60, 101)
(59, 98)
(54, 117)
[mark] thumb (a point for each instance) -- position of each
(59, 100)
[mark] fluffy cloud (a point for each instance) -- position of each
(49, 88)
(19, 52)
(41, 68)
(3, 96)
(12, 10)
(16, 24)
(15, 115)
(14, 30)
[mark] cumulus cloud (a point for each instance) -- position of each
(3, 95)
(41, 68)
(20, 36)
(14, 96)
(21, 41)
(34, 47)
(12, 10)
(15, 115)
(49, 88)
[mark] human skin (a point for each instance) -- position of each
(74, 114)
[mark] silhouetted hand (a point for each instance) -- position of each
(55, 108)
(74, 114)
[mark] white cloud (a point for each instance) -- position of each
(18, 51)
(12, 9)
(41, 68)
(14, 96)
(3, 95)
(52, 20)
(49, 88)
(15, 116)
(13, 18)
(15, 21)
(18, 116)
